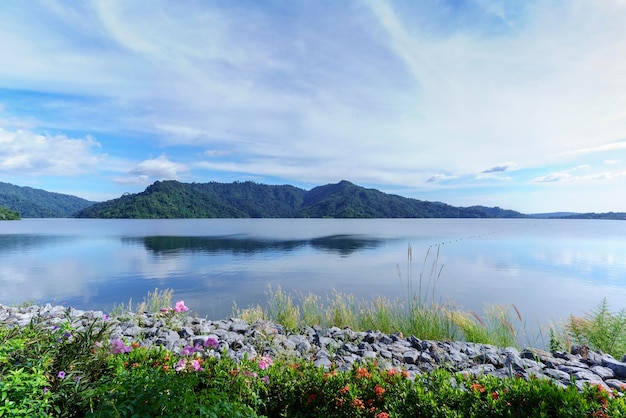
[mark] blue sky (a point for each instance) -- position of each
(514, 104)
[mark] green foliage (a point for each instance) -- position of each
(45, 369)
(35, 203)
(7, 214)
(172, 199)
(71, 370)
(600, 330)
(365, 391)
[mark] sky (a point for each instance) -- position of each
(516, 104)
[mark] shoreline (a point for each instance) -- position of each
(334, 347)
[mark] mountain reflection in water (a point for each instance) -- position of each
(343, 245)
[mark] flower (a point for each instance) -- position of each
(379, 391)
(265, 362)
(180, 306)
(363, 373)
(266, 380)
(495, 395)
(46, 390)
(211, 342)
(478, 387)
(61, 375)
(311, 398)
(358, 404)
(181, 365)
(382, 415)
(195, 365)
(118, 347)
(344, 389)
(189, 350)
(105, 317)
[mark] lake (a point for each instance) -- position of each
(547, 268)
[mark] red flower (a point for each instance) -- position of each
(311, 398)
(379, 391)
(363, 373)
(382, 415)
(358, 404)
(477, 386)
(344, 389)
(495, 395)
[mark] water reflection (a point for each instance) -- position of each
(343, 245)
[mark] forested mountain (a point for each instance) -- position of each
(35, 203)
(8, 214)
(172, 199)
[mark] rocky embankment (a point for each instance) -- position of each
(335, 347)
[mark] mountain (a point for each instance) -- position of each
(172, 199)
(35, 203)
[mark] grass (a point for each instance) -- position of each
(416, 313)
(61, 372)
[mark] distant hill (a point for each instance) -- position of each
(35, 203)
(607, 215)
(553, 214)
(172, 199)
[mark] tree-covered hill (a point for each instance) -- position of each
(8, 215)
(172, 199)
(36, 203)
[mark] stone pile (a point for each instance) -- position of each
(339, 348)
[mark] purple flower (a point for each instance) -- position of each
(266, 380)
(61, 375)
(180, 306)
(210, 342)
(118, 347)
(46, 390)
(189, 350)
(105, 317)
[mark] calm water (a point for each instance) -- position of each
(547, 268)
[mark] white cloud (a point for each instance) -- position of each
(147, 171)
(28, 153)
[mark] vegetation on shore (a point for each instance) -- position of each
(7, 214)
(65, 372)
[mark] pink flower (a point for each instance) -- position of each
(195, 364)
(265, 362)
(61, 375)
(180, 306)
(181, 365)
(118, 347)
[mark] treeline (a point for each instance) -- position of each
(36, 203)
(7, 214)
(172, 199)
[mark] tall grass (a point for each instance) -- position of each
(600, 329)
(416, 313)
(151, 303)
